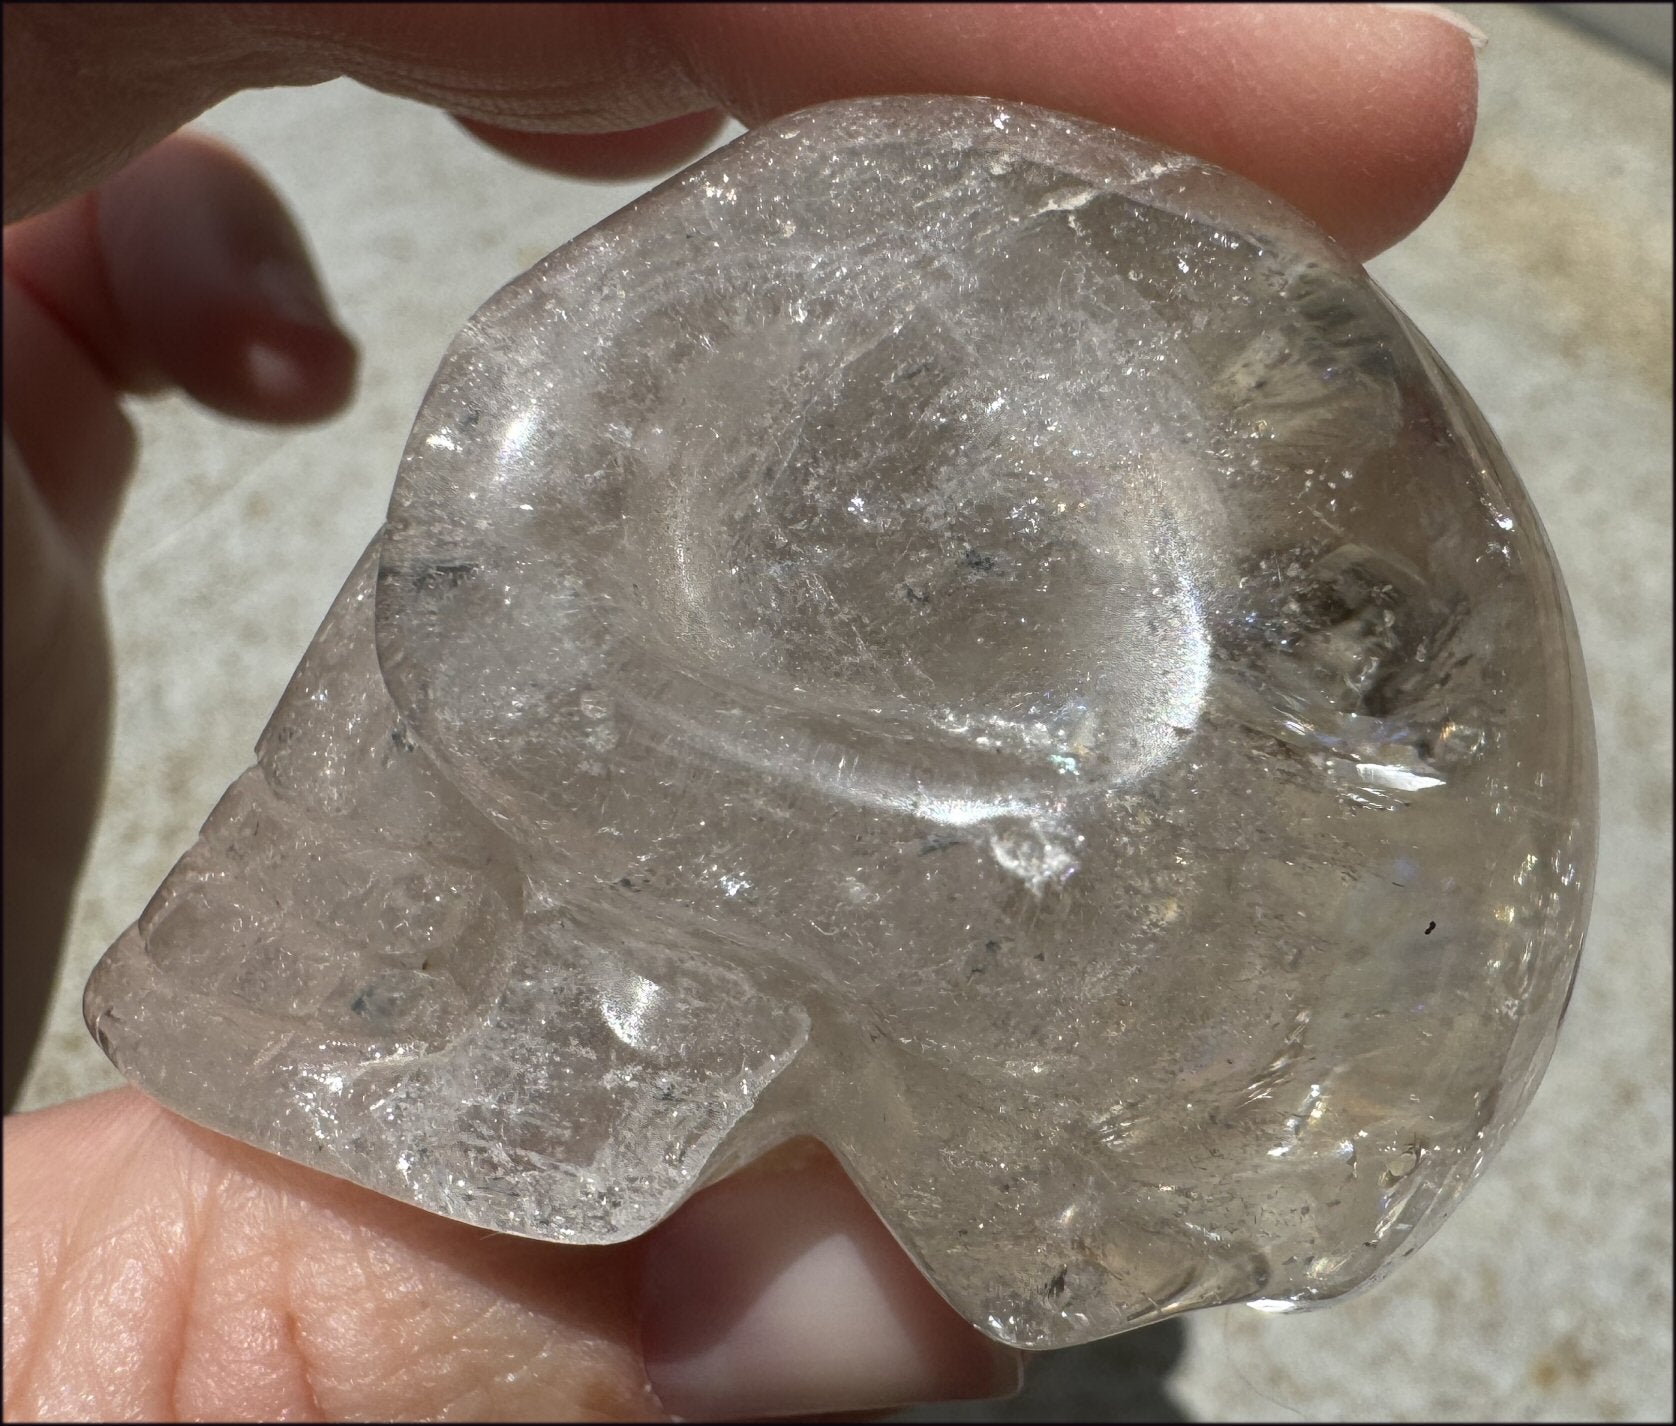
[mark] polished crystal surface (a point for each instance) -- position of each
(946, 629)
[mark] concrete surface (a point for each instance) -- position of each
(1545, 280)
(1640, 28)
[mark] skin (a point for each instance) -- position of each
(153, 1269)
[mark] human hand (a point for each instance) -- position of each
(155, 1269)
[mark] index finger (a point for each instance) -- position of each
(1360, 115)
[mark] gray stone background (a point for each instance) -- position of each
(1544, 280)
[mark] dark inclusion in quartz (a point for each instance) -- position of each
(946, 629)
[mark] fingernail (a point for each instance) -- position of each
(781, 1294)
(274, 375)
(1449, 17)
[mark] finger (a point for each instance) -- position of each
(163, 1272)
(613, 157)
(186, 269)
(61, 411)
(1360, 115)
(59, 405)
(57, 681)
(779, 1292)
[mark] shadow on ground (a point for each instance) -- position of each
(1123, 1378)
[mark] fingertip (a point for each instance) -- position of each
(1443, 15)
(215, 289)
(779, 1292)
(1405, 145)
(1359, 116)
(287, 375)
(612, 157)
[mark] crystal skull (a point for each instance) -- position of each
(949, 630)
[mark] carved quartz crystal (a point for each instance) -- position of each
(949, 630)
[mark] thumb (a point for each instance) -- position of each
(157, 1271)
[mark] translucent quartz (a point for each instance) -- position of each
(946, 629)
